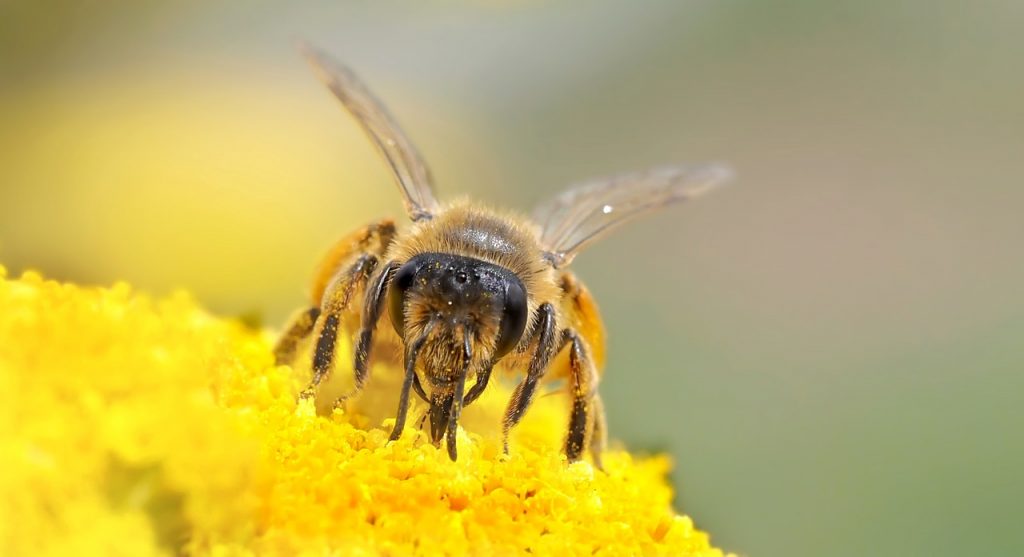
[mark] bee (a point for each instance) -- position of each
(467, 288)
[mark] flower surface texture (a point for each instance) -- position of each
(132, 426)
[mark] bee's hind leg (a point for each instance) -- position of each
(599, 433)
(587, 427)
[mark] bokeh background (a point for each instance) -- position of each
(831, 350)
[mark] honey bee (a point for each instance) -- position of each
(467, 288)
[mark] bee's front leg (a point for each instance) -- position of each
(548, 344)
(373, 305)
(412, 352)
(482, 378)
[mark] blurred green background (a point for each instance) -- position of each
(831, 350)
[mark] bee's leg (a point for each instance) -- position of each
(373, 239)
(299, 327)
(336, 301)
(587, 425)
(599, 436)
(453, 419)
(548, 344)
(344, 269)
(403, 403)
(373, 304)
(458, 401)
(482, 377)
(418, 387)
(586, 419)
(411, 353)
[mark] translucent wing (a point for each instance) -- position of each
(590, 210)
(406, 164)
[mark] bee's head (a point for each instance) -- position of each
(469, 301)
(452, 313)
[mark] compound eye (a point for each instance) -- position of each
(400, 284)
(513, 319)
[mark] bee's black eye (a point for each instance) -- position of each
(400, 283)
(513, 319)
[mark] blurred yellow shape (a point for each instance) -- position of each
(231, 185)
(140, 427)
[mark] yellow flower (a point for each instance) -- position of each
(139, 427)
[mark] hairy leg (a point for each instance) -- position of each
(547, 347)
(588, 427)
(336, 302)
(299, 328)
(340, 274)
(373, 239)
(411, 354)
(373, 305)
(599, 436)
(586, 418)
(457, 399)
(482, 378)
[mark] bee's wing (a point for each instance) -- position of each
(590, 210)
(406, 164)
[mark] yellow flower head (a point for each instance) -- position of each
(139, 427)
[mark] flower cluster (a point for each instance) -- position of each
(139, 427)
